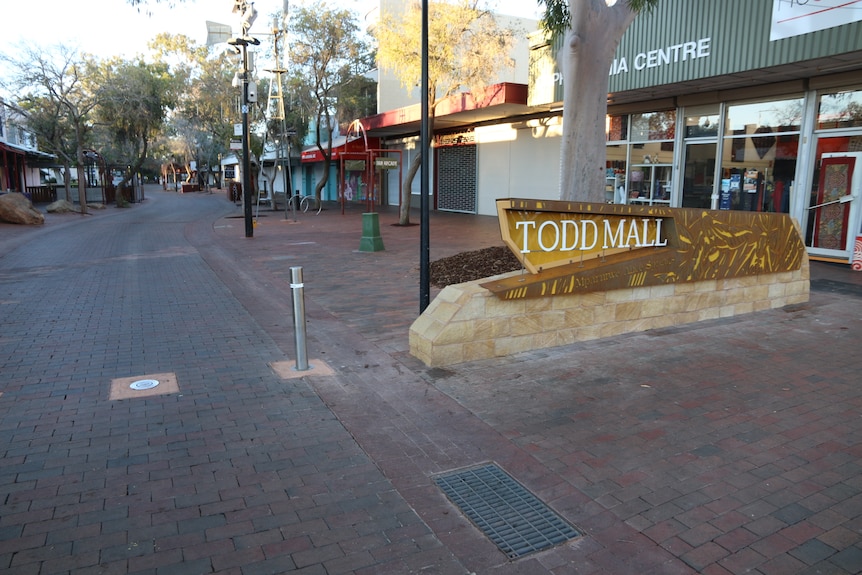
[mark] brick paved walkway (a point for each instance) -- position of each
(725, 447)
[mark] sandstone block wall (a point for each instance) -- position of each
(466, 322)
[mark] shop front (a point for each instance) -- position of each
(351, 177)
(758, 114)
(725, 114)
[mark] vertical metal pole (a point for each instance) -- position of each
(246, 159)
(425, 150)
(297, 291)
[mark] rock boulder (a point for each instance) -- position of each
(15, 208)
(61, 207)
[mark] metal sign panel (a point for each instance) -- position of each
(572, 247)
(386, 163)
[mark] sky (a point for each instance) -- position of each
(113, 27)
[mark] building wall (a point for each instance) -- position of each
(685, 41)
(517, 160)
(760, 114)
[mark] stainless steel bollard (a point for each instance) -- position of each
(297, 291)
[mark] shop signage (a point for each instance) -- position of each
(459, 139)
(386, 163)
(571, 247)
(796, 17)
(673, 54)
(684, 52)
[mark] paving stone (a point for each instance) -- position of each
(740, 455)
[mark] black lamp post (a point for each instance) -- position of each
(244, 43)
(248, 15)
(424, 137)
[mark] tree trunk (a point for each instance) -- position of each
(82, 181)
(407, 190)
(588, 53)
(67, 180)
(318, 189)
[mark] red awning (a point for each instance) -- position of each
(339, 146)
(494, 102)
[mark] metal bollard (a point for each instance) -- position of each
(297, 291)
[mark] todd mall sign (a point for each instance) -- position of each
(599, 270)
(573, 247)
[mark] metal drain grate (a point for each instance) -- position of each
(512, 517)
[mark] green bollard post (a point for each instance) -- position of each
(371, 240)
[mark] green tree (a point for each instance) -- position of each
(467, 48)
(201, 123)
(324, 52)
(591, 31)
(133, 102)
(59, 101)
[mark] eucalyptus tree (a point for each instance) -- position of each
(58, 103)
(133, 101)
(325, 48)
(591, 31)
(201, 123)
(467, 49)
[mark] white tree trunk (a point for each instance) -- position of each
(407, 190)
(587, 55)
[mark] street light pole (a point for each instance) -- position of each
(425, 187)
(246, 160)
(248, 16)
(243, 43)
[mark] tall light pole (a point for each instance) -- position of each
(424, 188)
(248, 15)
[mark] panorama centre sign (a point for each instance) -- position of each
(572, 247)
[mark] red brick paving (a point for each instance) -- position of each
(724, 447)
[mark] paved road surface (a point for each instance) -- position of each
(731, 446)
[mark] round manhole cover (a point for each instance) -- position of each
(143, 384)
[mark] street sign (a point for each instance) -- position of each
(235, 144)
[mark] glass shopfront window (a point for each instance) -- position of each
(639, 158)
(758, 159)
(840, 110)
(616, 159)
(702, 126)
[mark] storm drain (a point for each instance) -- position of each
(512, 517)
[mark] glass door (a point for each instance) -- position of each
(698, 175)
(835, 208)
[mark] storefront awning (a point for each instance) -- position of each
(29, 153)
(495, 102)
(340, 146)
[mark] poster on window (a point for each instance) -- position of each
(796, 17)
(831, 214)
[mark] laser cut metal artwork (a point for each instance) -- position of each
(574, 247)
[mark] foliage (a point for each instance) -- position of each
(467, 48)
(557, 17)
(53, 92)
(592, 30)
(325, 52)
(132, 106)
(201, 123)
